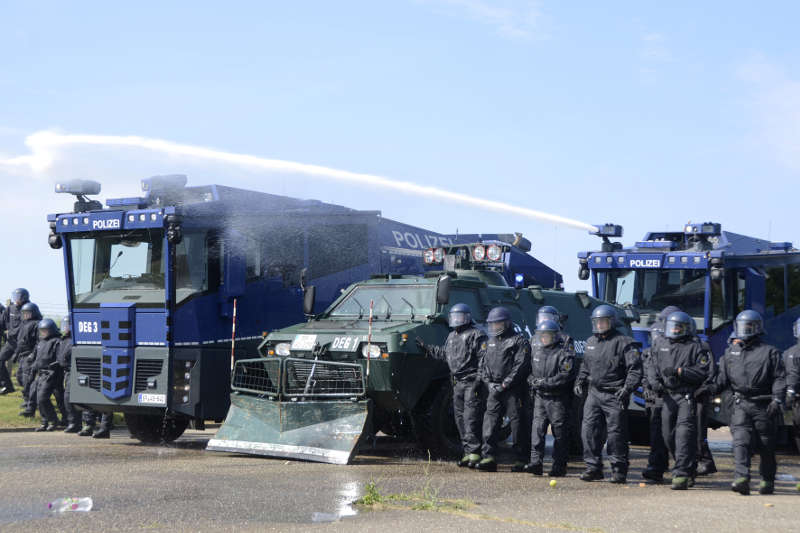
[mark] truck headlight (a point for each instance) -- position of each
(717, 400)
(371, 351)
(283, 348)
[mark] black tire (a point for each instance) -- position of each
(152, 429)
(434, 423)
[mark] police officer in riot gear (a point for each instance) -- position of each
(504, 365)
(754, 372)
(461, 352)
(27, 337)
(65, 361)
(10, 321)
(680, 365)
(791, 361)
(552, 377)
(657, 459)
(46, 365)
(611, 371)
(705, 459)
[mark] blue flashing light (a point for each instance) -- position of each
(519, 278)
(78, 187)
(607, 230)
(781, 246)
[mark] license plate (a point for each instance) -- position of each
(304, 342)
(345, 344)
(156, 399)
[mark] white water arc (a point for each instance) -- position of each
(43, 146)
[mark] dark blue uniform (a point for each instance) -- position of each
(461, 352)
(791, 361)
(504, 364)
(553, 372)
(612, 368)
(680, 367)
(658, 458)
(49, 375)
(754, 372)
(27, 336)
(10, 321)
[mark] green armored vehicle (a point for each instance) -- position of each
(323, 386)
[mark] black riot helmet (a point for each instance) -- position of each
(498, 321)
(547, 312)
(748, 325)
(47, 329)
(66, 329)
(30, 311)
(678, 326)
(547, 332)
(604, 317)
(460, 315)
(20, 297)
(796, 329)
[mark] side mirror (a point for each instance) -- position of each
(443, 290)
(303, 279)
(309, 296)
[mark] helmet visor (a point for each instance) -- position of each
(746, 329)
(546, 338)
(497, 328)
(459, 318)
(541, 317)
(27, 315)
(44, 333)
(797, 329)
(601, 325)
(677, 330)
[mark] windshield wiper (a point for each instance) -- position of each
(360, 307)
(411, 306)
(388, 307)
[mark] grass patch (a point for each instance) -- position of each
(9, 409)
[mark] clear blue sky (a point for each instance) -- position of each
(642, 113)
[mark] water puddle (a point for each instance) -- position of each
(344, 504)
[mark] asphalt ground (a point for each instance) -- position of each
(184, 488)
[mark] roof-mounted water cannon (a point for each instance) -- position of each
(164, 189)
(81, 189)
(605, 231)
(699, 234)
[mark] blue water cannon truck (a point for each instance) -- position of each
(710, 273)
(156, 282)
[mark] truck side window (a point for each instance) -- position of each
(793, 287)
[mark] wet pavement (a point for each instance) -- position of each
(184, 488)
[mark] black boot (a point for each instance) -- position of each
(619, 479)
(6, 390)
(72, 428)
(101, 434)
(44, 427)
(652, 476)
(536, 470)
(86, 431)
(741, 485)
(592, 475)
(52, 426)
(27, 414)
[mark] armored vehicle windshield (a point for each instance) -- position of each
(389, 300)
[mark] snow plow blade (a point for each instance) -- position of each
(295, 408)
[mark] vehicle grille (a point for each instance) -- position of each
(89, 366)
(259, 376)
(322, 378)
(146, 368)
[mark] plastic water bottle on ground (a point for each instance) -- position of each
(63, 505)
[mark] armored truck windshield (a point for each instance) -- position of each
(121, 267)
(388, 301)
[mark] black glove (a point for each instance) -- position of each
(774, 408)
(579, 389)
(622, 397)
(496, 387)
(537, 383)
(669, 372)
(421, 345)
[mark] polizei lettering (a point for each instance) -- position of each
(645, 263)
(415, 241)
(109, 223)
